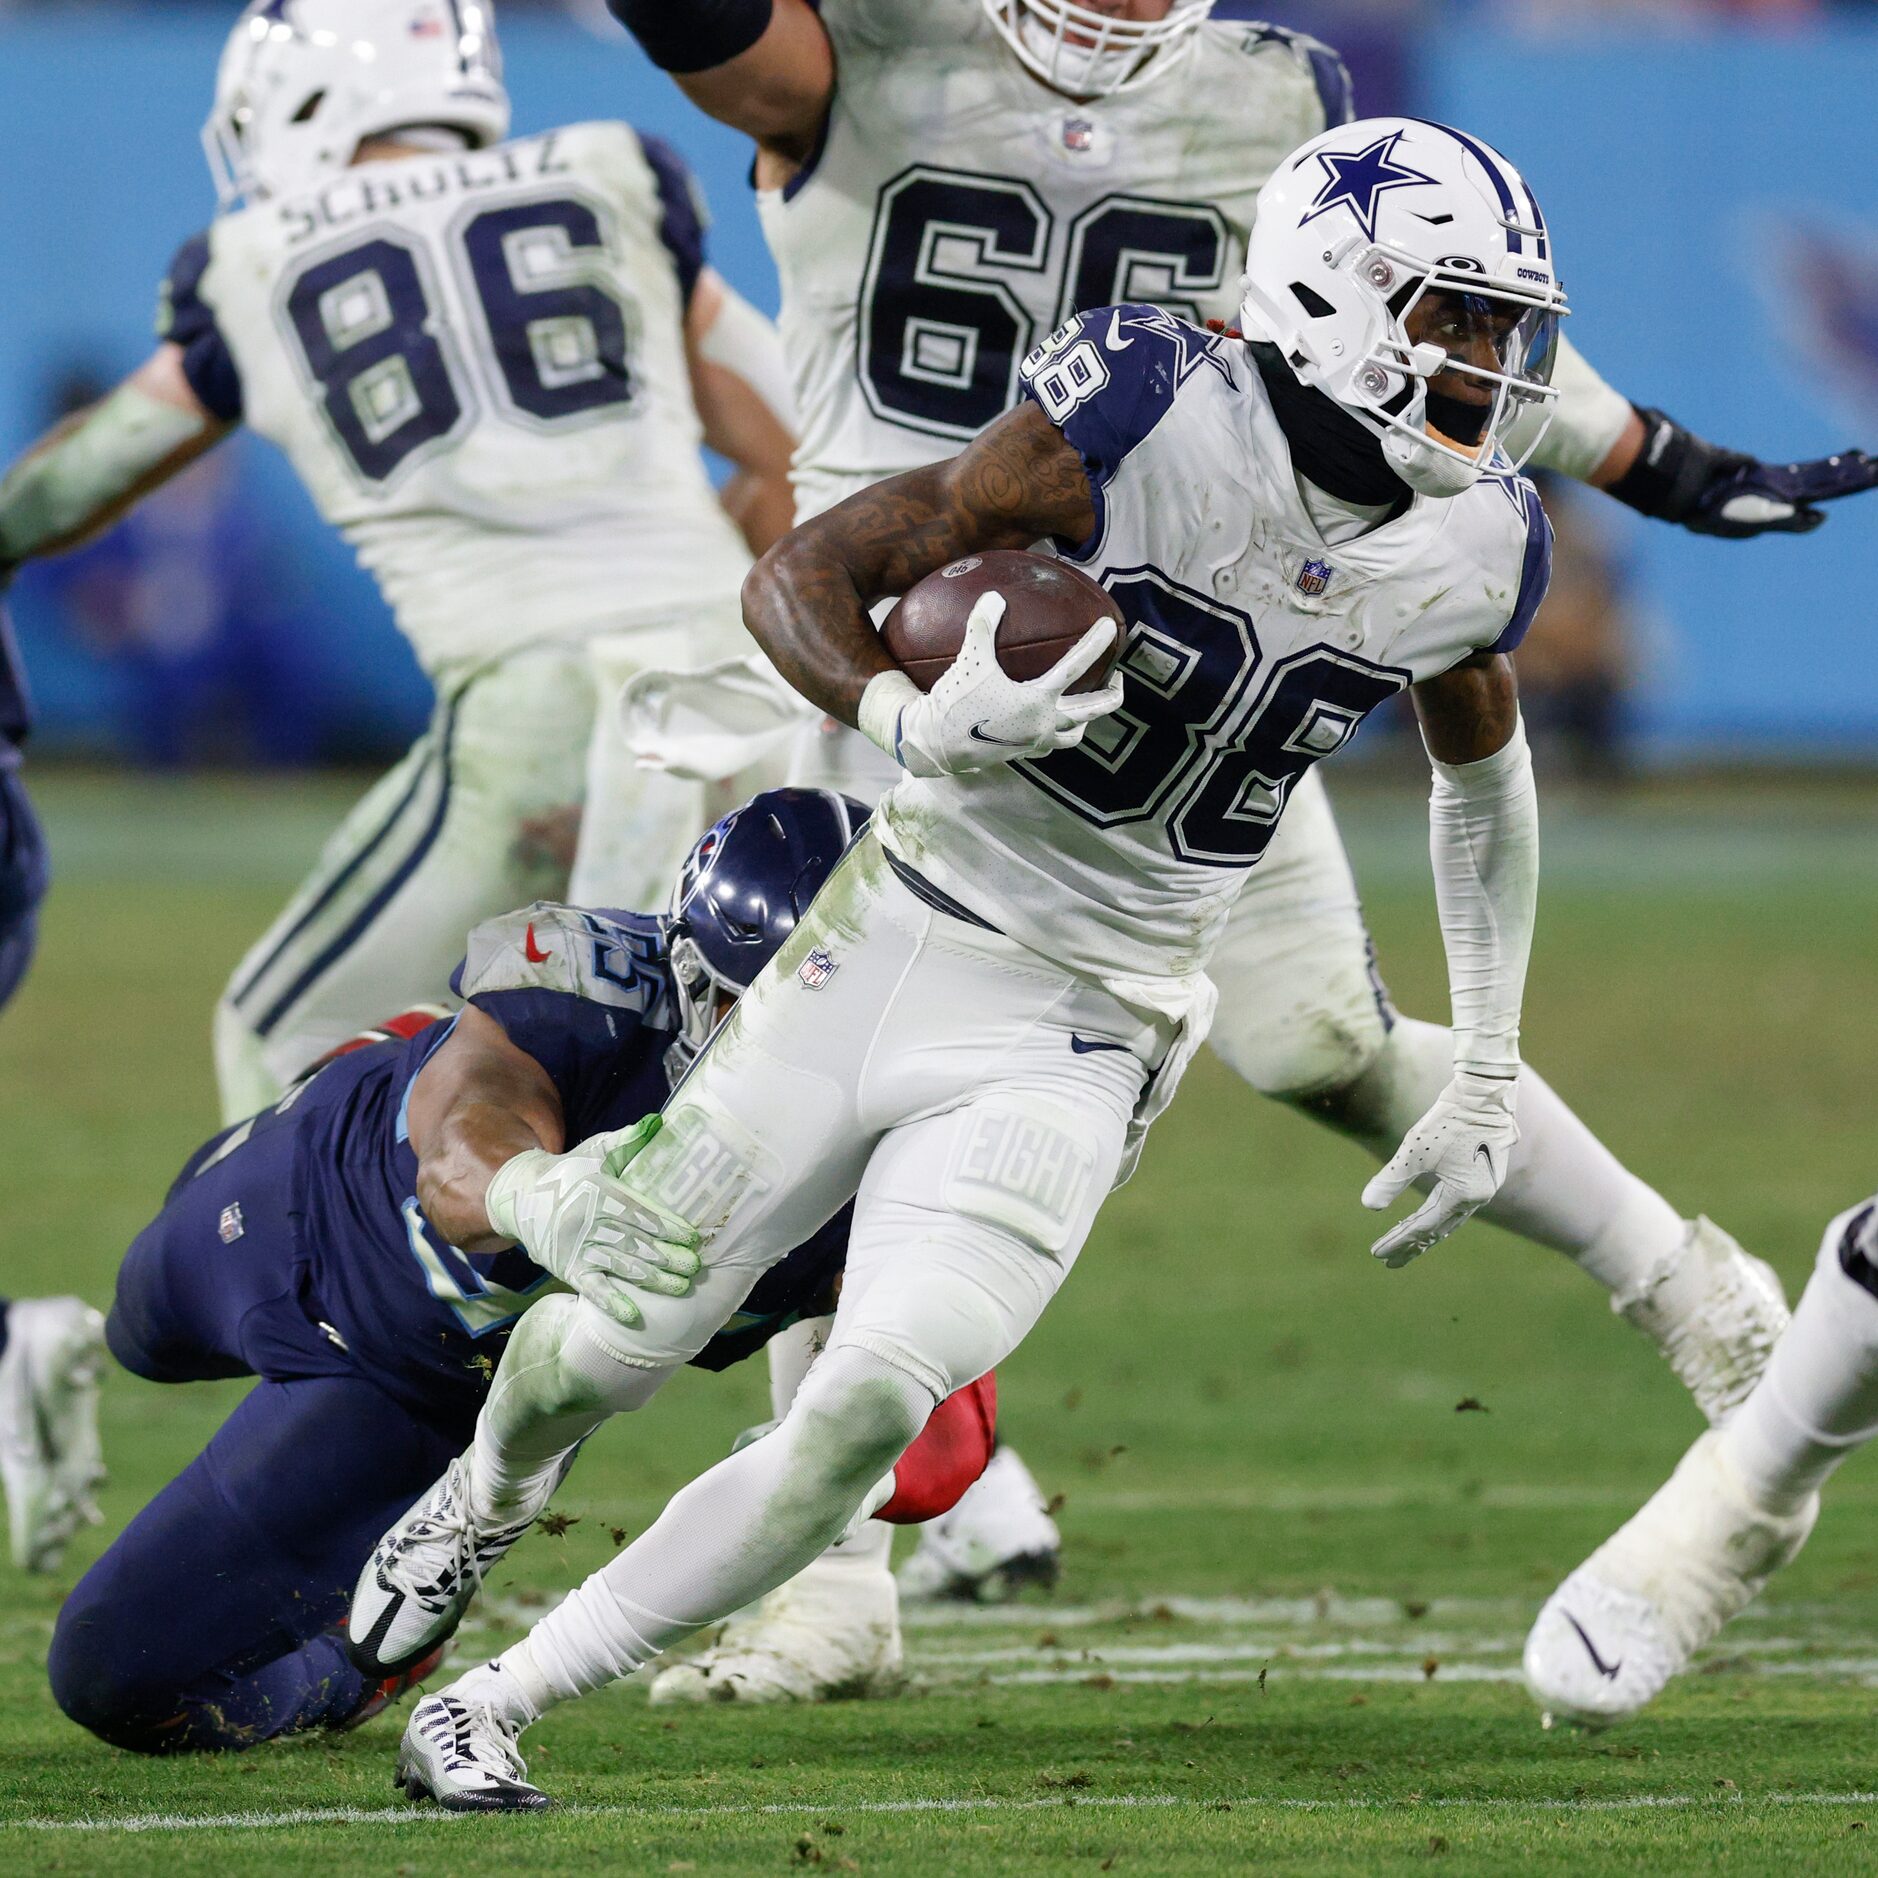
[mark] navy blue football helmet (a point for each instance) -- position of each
(740, 893)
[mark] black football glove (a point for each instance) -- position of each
(1677, 477)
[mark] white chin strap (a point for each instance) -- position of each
(1427, 468)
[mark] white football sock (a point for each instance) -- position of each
(1818, 1399)
(559, 1379)
(736, 1532)
(1565, 1189)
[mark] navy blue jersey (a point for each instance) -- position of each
(589, 996)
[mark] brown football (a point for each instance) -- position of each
(1048, 606)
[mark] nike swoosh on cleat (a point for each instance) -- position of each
(1607, 1670)
(977, 735)
(1116, 343)
(1083, 1046)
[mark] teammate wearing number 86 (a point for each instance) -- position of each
(491, 363)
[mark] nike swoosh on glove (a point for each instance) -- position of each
(574, 1217)
(1464, 1144)
(977, 714)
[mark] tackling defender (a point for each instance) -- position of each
(343, 1246)
(999, 988)
(942, 182)
(491, 363)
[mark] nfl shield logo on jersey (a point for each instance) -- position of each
(231, 1227)
(1314, 577)
(816, 970)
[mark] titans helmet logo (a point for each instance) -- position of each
(1356, 180)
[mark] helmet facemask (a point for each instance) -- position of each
(700, 992)
(1086, 53)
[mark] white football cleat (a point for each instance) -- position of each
(1715, 1312)
(464, 1755)
(1634, 1613)
(423, 1576)
(997, 1540)
(831, 1632)
(50, 1458)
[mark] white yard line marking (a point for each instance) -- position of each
(427, 1816)
(1328, 1609)
(1287, 1651)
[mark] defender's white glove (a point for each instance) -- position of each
(572, 1216)
(1465, 1141)
(977, 714)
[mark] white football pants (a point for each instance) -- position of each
(974, 1100)
(444, 842)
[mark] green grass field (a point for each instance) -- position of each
(1296, 1578)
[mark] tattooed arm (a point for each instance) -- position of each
(807, 600)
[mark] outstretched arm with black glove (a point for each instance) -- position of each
(1676, 476)
(1646, 459)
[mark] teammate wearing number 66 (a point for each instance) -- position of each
(491, 363)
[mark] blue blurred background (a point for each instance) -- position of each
(1709, 171)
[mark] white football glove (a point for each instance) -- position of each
(976, 714)
(573, 1217)
(1465, 1141)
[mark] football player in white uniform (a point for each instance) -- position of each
(942, 183)
(974, 1024)
(1738, 1507)
(492, 365)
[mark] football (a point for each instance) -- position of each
(1048, 607)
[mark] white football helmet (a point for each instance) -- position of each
(1086, 52)
(303, 82)
(1404, 269)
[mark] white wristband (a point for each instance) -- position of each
(886, 696)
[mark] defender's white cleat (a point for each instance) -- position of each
(1715, 1312)
(423, 1576)
(464, 1755)
(831, 1632)
(50, 1459)
(997, 1540)
(1634, 1613)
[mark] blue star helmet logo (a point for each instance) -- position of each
(1354, 181)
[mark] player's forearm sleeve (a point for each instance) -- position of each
(693, 35)
(1590, 418)
(741, 341)
(57, 491)
(1483, 836)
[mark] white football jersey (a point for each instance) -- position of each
(1254, 650)
(959, 210)
(475, 361)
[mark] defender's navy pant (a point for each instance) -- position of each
(212, 1622)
